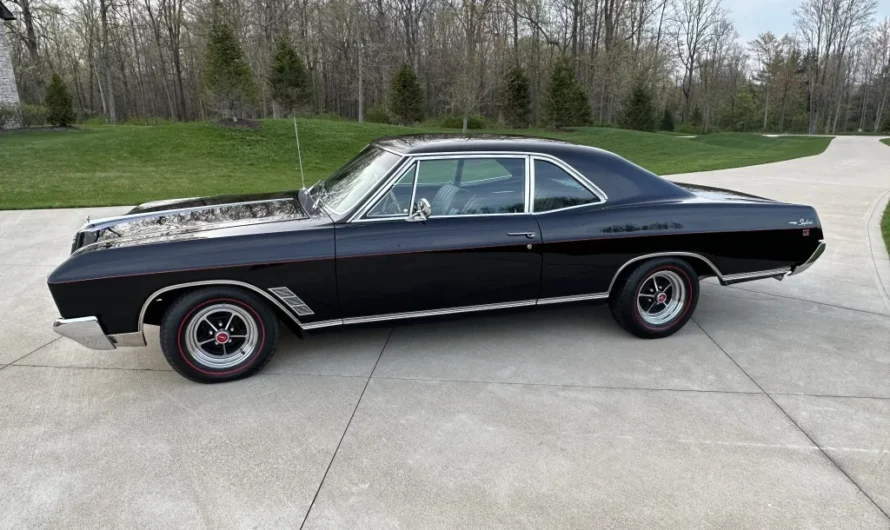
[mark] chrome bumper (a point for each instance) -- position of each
(806, 265)
(88, 332)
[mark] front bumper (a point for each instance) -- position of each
(88, 332)
(806, 265)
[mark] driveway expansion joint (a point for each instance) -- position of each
(793, 422)
(348, 423)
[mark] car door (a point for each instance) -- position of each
(478, 247)
(575, 264)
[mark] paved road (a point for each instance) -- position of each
(770, 410)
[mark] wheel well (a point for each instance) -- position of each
(160, 303)
(700, 266)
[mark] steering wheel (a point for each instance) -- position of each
(391, 205)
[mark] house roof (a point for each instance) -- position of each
(4, 13)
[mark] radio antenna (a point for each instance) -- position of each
(299, 155)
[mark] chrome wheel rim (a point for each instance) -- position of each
(661, 297)
(221, 336)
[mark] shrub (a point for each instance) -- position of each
(59, 103)
(667, 120)
(377, 114)
(405, 97)
(565, 102)
(10, 116)
(638, 112)
(289, 79)
(515, 101)
(227, 82)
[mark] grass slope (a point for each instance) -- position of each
(104, 165)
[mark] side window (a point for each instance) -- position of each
(555, 188)
(472, 186)
(396, 203)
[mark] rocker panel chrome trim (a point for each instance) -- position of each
(437, 312)
(573, 298)
(756, 275)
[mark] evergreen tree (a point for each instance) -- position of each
(638, 112)
(59, 103)
(289, 79)
(667, 120)
(227, 82)
(696, 119)
(405, 97)
(515, 101)
(565, 102)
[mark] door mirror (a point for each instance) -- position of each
(422, 211)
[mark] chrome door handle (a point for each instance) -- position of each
(529, 235)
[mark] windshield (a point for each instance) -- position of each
(344, 189)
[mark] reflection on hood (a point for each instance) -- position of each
(153, 224)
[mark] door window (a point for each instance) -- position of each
(555, 188)
(472, 186)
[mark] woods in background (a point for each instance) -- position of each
(640, 64)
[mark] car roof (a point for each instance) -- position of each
(458, 143)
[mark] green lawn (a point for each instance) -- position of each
(105, 165)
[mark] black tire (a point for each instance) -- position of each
(252, 331)
(681, 298)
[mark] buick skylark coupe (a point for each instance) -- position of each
(418, 226)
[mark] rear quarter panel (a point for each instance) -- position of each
(587, 246)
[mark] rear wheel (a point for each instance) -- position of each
(656, 299)
(218, 334)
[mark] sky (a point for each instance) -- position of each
(753, 17)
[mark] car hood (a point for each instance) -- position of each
(179, 219)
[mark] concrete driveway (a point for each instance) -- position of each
(771, 409)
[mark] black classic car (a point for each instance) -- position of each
(418, 226)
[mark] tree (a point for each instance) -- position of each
(638, 112)
(565, 103)
(59, 103)
(515, 101)
(405, 97)
(667, 120)
(766, 47)
(227, 81)
(288, 80)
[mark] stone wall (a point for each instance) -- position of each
(9, 94)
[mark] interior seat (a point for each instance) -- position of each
(449, 199)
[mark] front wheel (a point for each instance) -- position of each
(656, 299)
(218, 334)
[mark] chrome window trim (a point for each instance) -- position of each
(379, 197)
(374, 195)
(580, 179)
(360, 215)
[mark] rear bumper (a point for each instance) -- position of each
(806, 265)
(87, 331)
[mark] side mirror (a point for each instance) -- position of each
(422, 211)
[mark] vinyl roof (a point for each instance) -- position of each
(445, 143)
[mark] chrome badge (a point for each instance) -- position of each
(802, 222)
